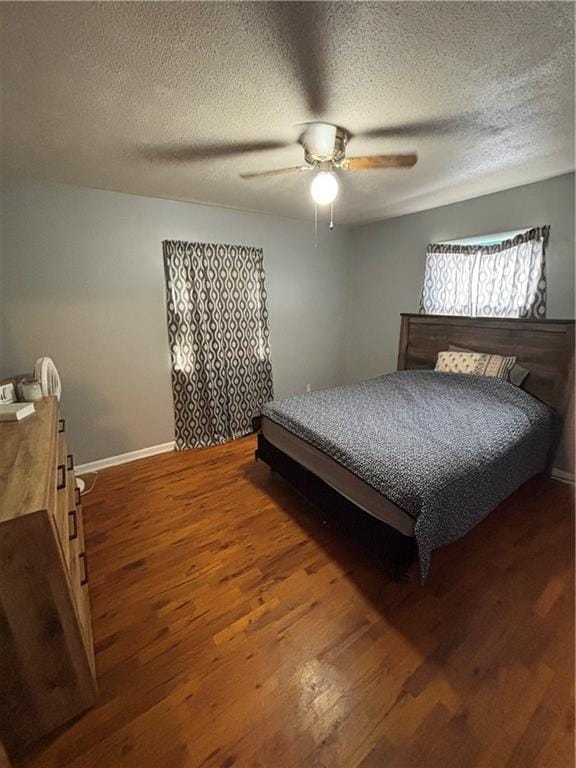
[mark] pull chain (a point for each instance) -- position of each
(331, 226)
(315, 225)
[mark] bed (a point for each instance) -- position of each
(431, 454)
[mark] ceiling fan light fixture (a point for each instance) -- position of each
(324, 188)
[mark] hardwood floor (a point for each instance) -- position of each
(237, 626)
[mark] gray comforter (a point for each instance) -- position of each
(447, 448)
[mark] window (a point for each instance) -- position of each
(488, 276)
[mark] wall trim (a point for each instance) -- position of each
(123, 458)
(564, 477)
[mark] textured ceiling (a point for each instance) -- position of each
(150, 98)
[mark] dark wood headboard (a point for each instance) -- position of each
(545, 347)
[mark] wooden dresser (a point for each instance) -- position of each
(47, 671)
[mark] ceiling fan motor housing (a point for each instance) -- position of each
(325, 147)
(324, 143)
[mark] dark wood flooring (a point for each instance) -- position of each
(235, 625)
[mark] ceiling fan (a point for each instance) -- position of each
(325, 152)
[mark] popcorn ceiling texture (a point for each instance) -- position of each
(105, 94)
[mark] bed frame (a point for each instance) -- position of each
(545, 347)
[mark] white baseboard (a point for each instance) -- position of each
(123, 458)
(564, 477)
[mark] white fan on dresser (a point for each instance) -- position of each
(46, 373)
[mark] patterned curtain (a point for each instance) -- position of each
(219, 340)
(503, 280)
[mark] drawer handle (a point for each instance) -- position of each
(78, 499)
(74, 525)
(62, 484)
(84, 559)
(61, 425)
(70, 461)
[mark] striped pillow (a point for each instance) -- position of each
(475, 363)
(517, 374)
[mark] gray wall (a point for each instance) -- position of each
(83, 282)
(387, 261)
(1, 284)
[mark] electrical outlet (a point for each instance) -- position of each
(308, 388)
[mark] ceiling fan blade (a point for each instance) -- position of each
(185, 153)
(418, 129)
(298, 25)
(369, 162)
(277, 172)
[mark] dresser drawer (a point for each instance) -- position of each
(79, 575)
(62, 507)
(70, 527)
